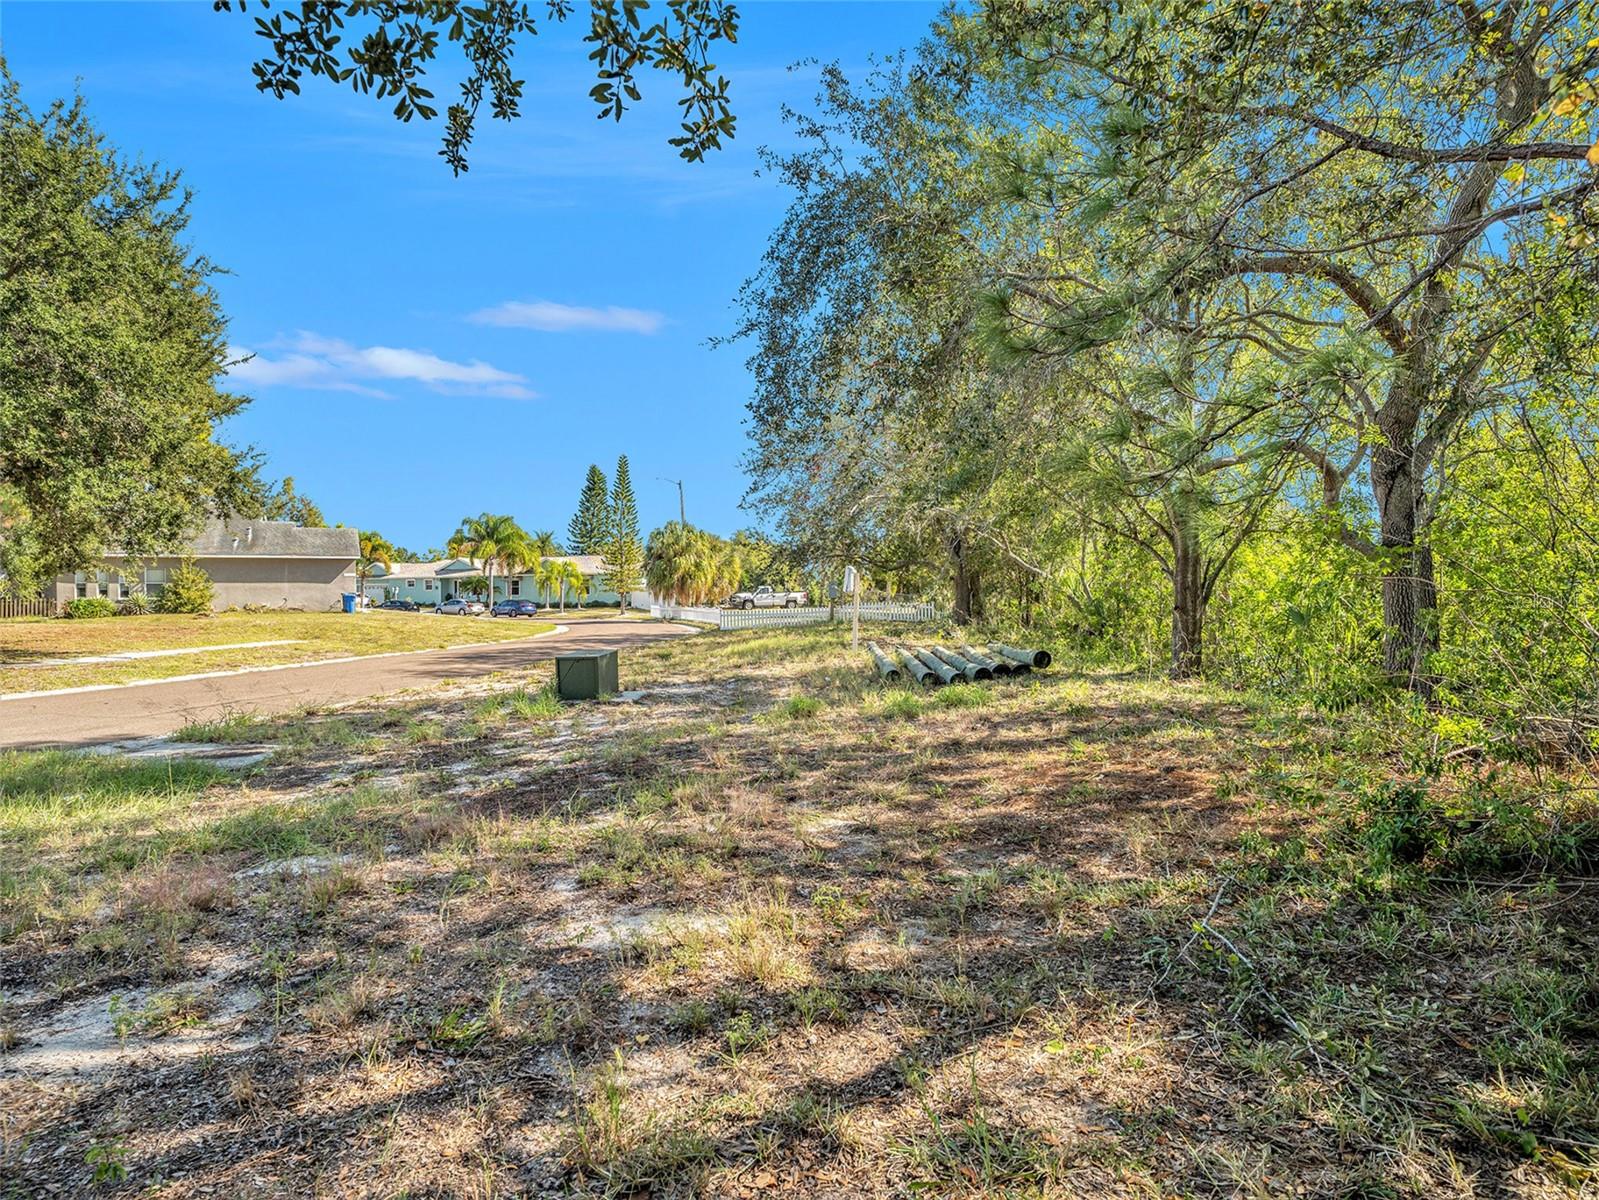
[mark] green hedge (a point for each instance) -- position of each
(85, 607)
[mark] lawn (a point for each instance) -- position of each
(779, 929)
(312, 636)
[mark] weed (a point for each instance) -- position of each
(743, 1034)
(458, 1029)
(902, 706)
(693, 1017)
(801, 708)
(630, 1150)
(167, 1012)
(534, 706)
(972, 1154)
(962, 695)
(233, 727)
(108, 1161)
(814, 1004)
(322, 891)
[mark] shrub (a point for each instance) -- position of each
(90, 606)
(188, 590)
(136, 605)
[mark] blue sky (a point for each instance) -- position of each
(429, 346)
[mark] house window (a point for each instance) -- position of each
(80, 585)
(427, 584)
(516, 587)
(410, 583)
(155, 582)
(110, 584)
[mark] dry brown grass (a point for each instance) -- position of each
(714, 944)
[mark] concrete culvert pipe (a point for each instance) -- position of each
(997, 668)
(918, 670)
(937, 665)
(972, 671)
(1038, 659)
(885, 665)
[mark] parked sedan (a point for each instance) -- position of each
(514, 608)
(400, 605)
(460, 606)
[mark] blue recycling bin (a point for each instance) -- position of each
(349, 601)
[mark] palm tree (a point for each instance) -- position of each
(492, 540)
(376, 551)
(569, 575)
(530, 556)
(543, 540)
(690, 566)
(547, 575)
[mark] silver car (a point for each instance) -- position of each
(460, 606)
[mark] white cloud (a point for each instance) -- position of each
(330, 364)
(566, 318)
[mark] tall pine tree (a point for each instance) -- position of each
(624, 551)
(589, 528)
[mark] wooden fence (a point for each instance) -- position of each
(33, 606)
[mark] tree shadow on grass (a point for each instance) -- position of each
(992, 926)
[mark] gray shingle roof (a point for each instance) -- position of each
(273, 539)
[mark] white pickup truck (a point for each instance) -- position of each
(765, 597)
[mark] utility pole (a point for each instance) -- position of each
(682, 511)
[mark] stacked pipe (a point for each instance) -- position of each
(885, 665)
(996, 668)
(934, 666)
(1028, 658)
(918, 670)
(971, 670)
(937, 666)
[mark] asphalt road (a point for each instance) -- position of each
(89, 718)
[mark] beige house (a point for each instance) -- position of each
(273, 564)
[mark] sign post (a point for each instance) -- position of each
(852, 586)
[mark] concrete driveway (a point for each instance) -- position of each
(89, 718)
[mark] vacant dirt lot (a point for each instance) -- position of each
(775, 929)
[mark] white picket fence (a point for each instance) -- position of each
(686, 612)
(759, 618)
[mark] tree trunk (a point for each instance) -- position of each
(1188, 603)
(1409, 596)
(968, 604)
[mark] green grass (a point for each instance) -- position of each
(901, 706)
(50, 794)
(533, 705)
(801, 708)
(964, 695)
(315, 636)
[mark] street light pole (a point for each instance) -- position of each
(682, 510)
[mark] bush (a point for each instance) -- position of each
(188, 590)
(136, 605)
(90, 606)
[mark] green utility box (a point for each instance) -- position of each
(586, 675)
